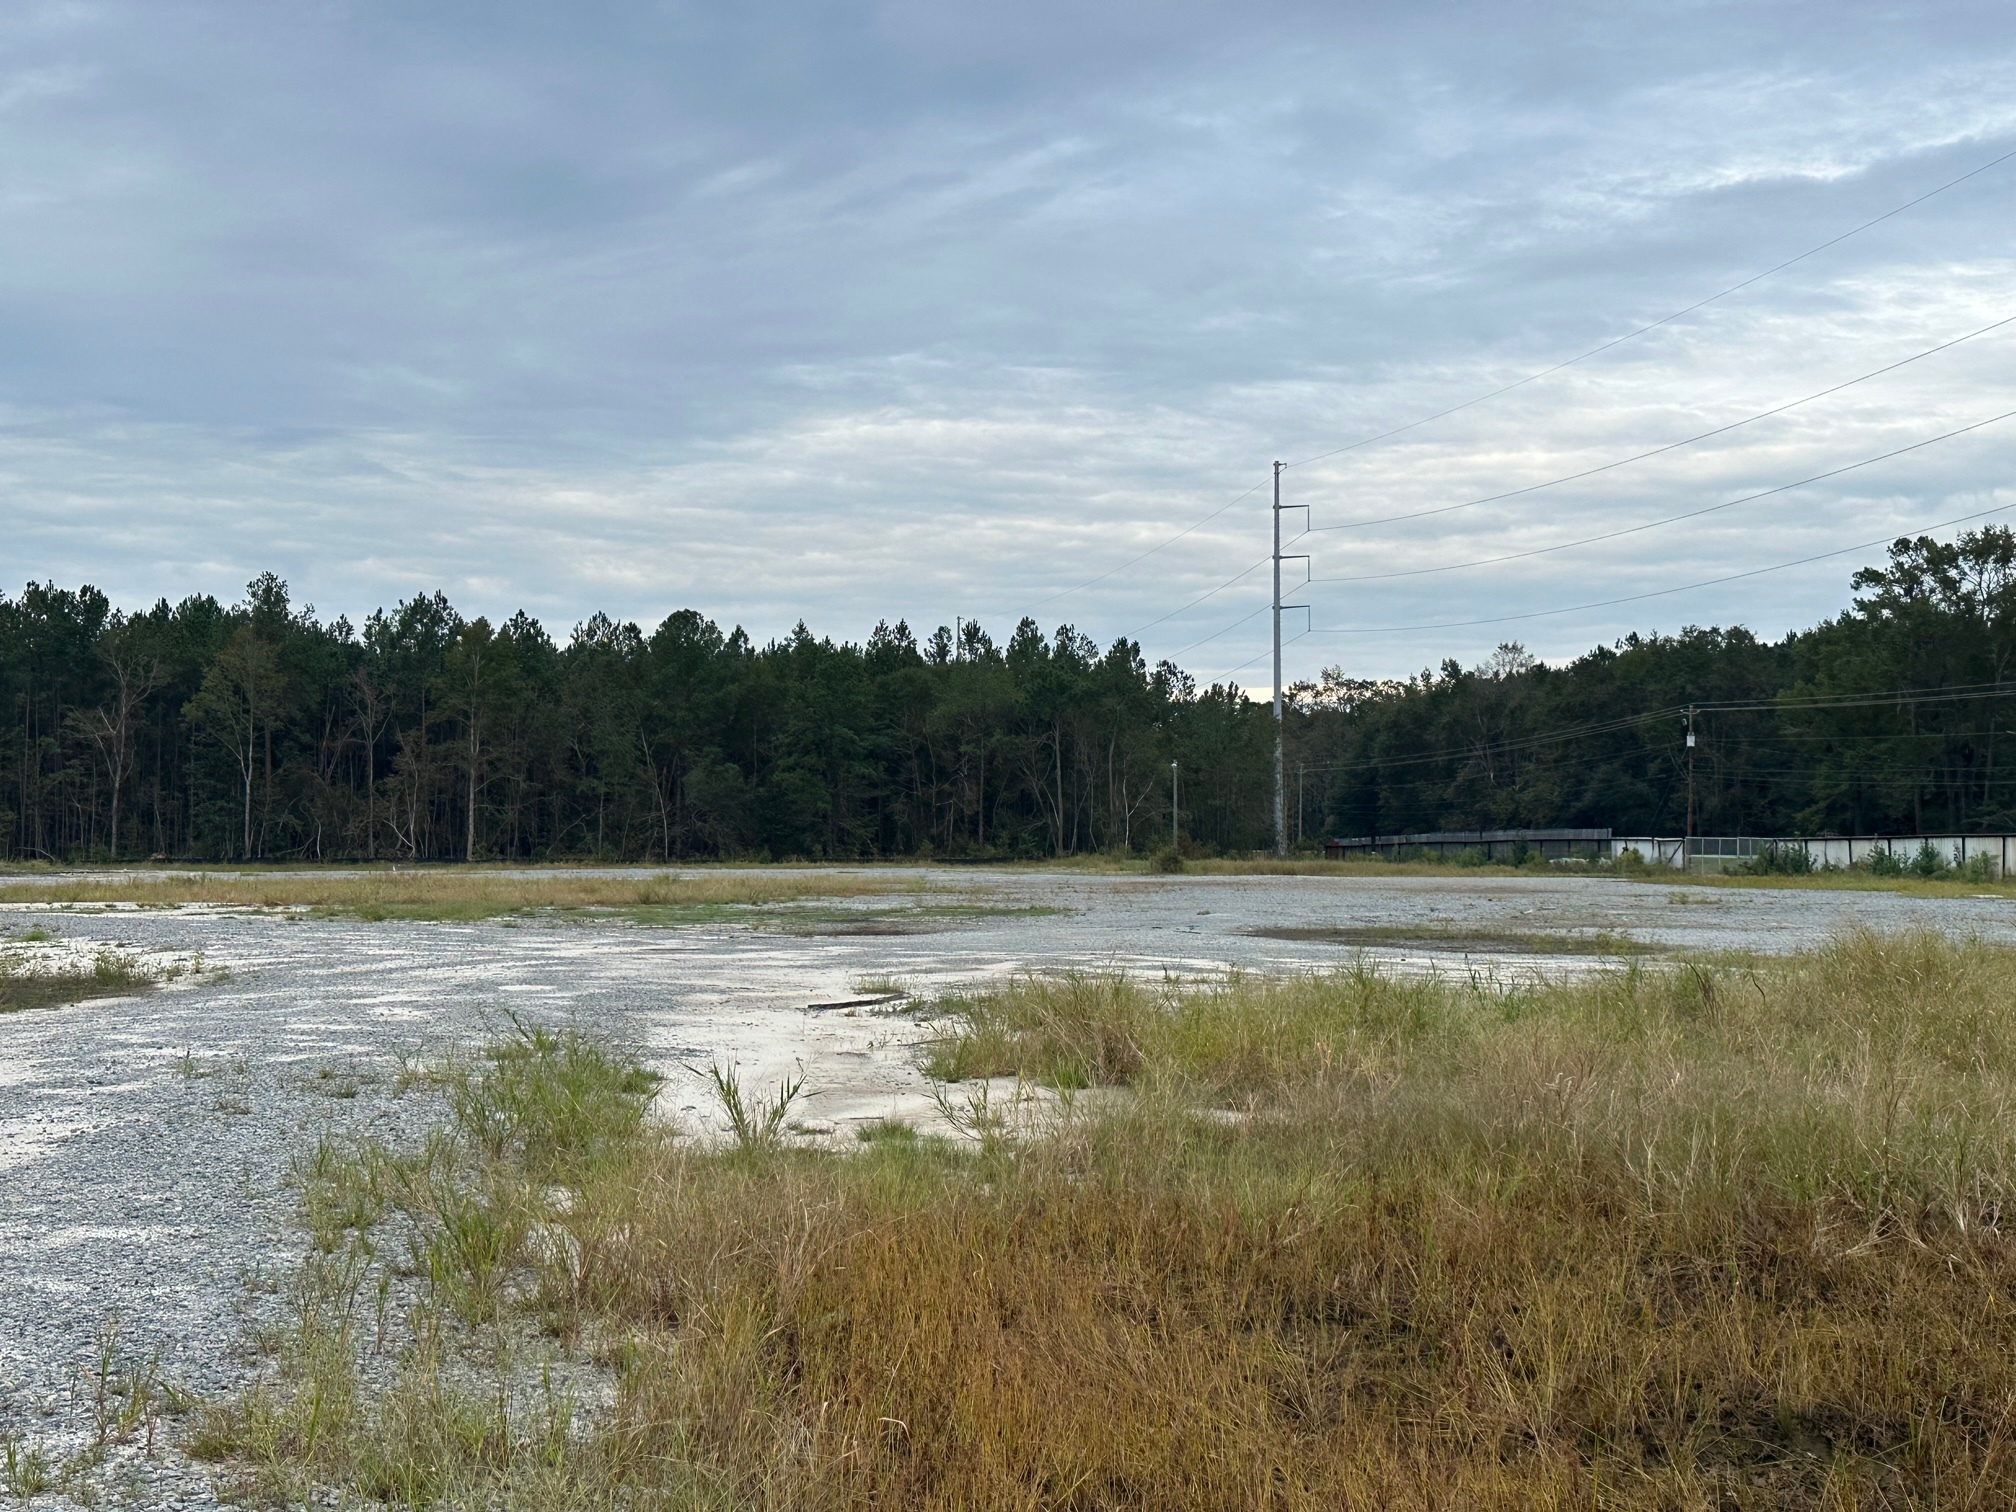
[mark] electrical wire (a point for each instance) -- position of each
(1212, 594)
(1534, 377)
(1663, 320)
(1263, 655)
(1634, 598)
(1136, 561)
(1692, 514)
(1720, 430)
(1226, 630)
(1892, 698)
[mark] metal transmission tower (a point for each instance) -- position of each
(1280, 810)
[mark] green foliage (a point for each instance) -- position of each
(24, 1469)
(1929, 864)
(552, 1102)
(1779, 861)
(1458, 748)
(259, 731)
(29, 984)
(757, 1123)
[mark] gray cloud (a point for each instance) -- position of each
(840, 312)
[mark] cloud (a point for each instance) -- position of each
(793, 311)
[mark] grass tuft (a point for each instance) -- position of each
(26, 982)
(755, 1122)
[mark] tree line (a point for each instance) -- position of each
(1817, 733)
(259, 731)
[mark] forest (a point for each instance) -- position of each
(258, 731)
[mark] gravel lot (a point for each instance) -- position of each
(145, 1141)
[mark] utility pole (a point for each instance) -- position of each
(1280, 796)
(1687, 856)
(1280, 821)
(1175, 838)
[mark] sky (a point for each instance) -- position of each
(793, 310)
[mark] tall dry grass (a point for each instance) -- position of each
(1695, 1237)
(453, 893)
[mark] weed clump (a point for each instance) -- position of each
(27, 983)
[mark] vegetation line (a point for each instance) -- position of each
(257, 732)
(450, 895)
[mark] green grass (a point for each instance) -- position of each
(1672, 1236)
(1855, 880)
(26, 983)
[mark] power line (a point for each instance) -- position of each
(1835, 735)
(1633, 598)
(1891, 698)
(1136, 561)
(1663, 320)
(1606, 467)
(1248, 572)
(1231, 627)
(1264, 654)
(1467, 404)
(1692, 514)
(1720, 430)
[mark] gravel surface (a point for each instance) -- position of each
(145, 1216)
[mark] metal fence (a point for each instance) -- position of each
(1488, 845)
(1720, 852)
(1701, 853)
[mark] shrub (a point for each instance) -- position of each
(1776, 860)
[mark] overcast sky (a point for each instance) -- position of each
(788, 309)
